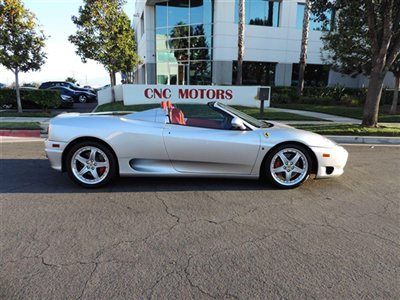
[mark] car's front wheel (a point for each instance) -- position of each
(91, 164)
(83, 99)
(288, 166)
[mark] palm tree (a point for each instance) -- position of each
(304, 46)
(242, 12)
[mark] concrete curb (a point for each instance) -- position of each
(379, 140)
(94, 109)
(20, 133)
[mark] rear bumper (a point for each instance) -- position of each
(54, 153)
(332, 166)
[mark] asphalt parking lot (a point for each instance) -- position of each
(199, 238)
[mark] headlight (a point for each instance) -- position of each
(65, 97)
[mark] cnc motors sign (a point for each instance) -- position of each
(233, 95)
(186, 93)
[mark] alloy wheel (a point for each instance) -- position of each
(82, 99)
(90, 165)
(289, 167)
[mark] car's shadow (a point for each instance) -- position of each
(36, 176)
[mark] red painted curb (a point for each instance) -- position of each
(20, 133)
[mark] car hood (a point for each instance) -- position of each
(82, 90)
(281, 132)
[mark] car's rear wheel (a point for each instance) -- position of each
(83, 99)
(288, 166)
(91, 164)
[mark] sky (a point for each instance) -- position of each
(54, 17)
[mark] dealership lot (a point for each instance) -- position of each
(199, 238)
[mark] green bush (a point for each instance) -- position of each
(348, 100)
(284, 95)
(335, 95)
(31, 98)
(316, 100)
(387, 97)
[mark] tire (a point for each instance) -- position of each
(97, 159)
(82, 99)
(297, 166)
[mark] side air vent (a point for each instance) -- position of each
(329, 170)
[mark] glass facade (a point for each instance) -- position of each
(314, 75)
(256, 73)
(315, 24)
(260, 12)
(184, 41)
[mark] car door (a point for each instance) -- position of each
(211, 151)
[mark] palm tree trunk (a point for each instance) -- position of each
(304, 46)
(19, 104)
(113, 81)
(393, 108)
(242, 13)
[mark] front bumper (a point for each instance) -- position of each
(332, 166)
(54, 152)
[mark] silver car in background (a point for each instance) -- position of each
(215, 141)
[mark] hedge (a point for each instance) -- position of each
(31, 98)
(336, 95)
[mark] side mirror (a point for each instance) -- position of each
(238, 124)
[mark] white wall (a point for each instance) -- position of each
(104, 96)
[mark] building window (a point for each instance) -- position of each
(315, 75)
(260, 12)
(256, 73)
(184, 41)
(315, 24)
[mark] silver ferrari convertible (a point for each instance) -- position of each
(212, 140)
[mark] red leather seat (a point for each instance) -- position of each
(177, 116)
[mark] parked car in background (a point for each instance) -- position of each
(103, 87)
(82, 95)
(73, 86)
(67, 101)
(77, 96)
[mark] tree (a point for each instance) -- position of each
(105, 35)
(21, 42)
(365, 39)
(304, 46)
(241, 27)
(71, 79)
(396, 72)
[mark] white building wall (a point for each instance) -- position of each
(274, 44)
(145, 41)
(265, 44)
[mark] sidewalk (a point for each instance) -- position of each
(23, 119)
(327, 117)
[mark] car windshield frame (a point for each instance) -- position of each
(245, 117)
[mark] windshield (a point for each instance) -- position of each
(252, 121)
